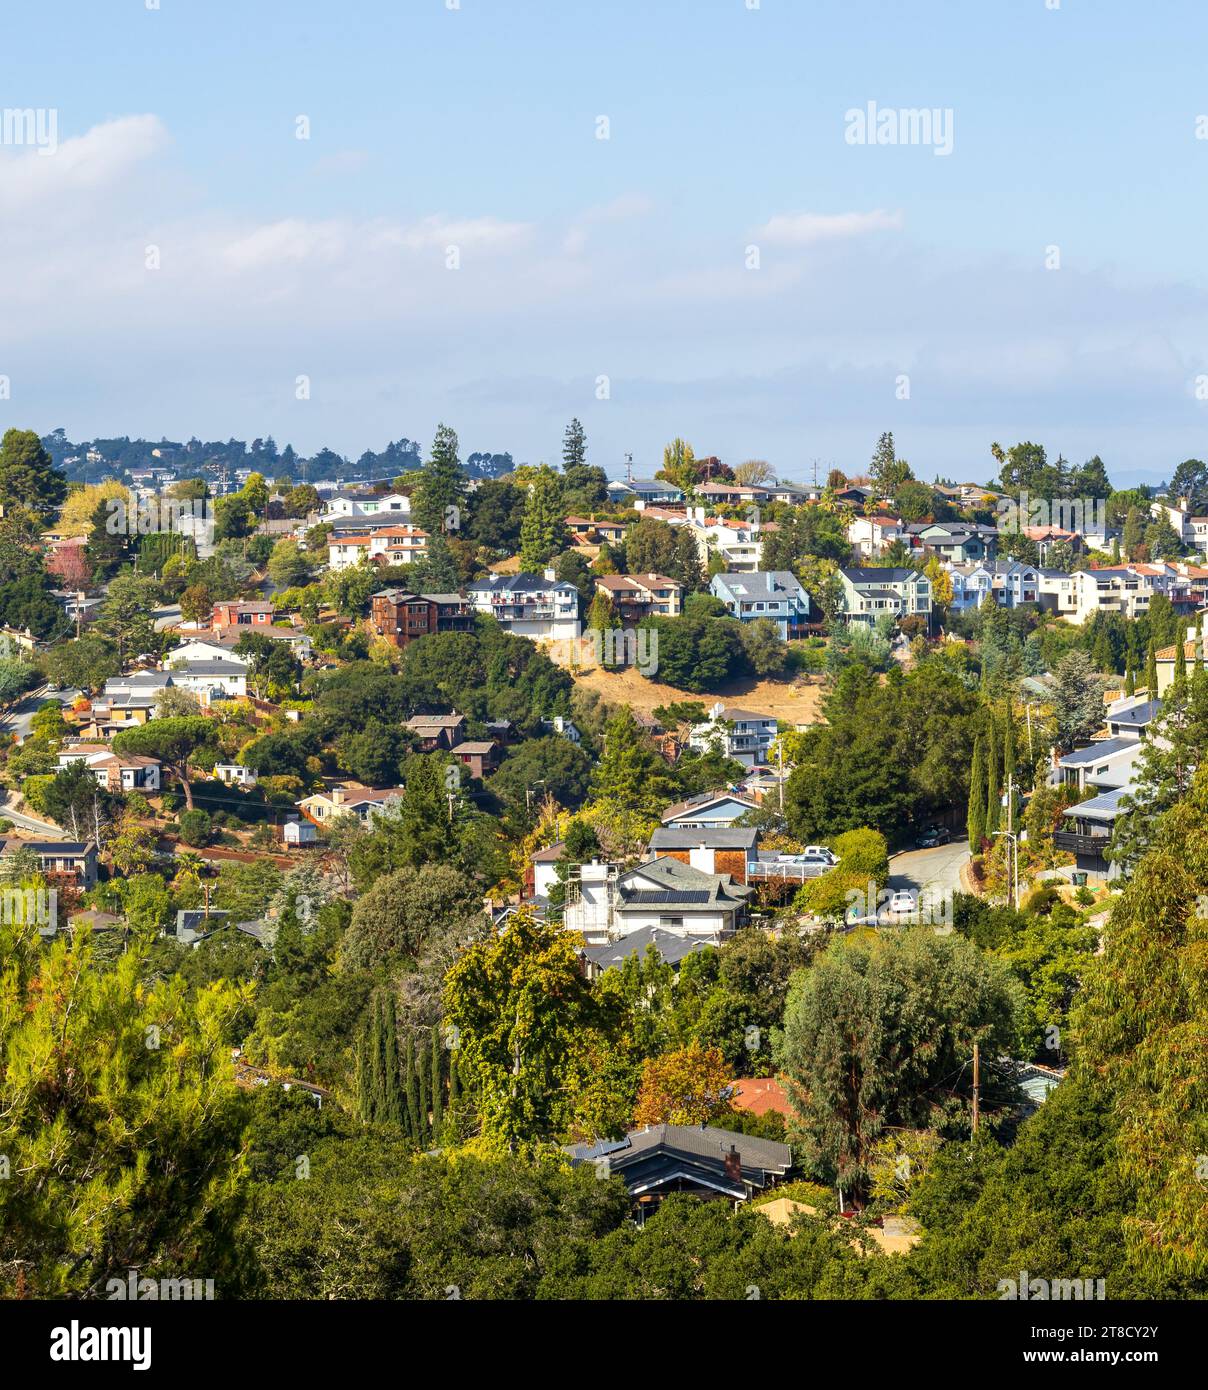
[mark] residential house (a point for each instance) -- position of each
(350, 799)
(715, 850)
(543, 870)
(229, 613)
(773, 594)
(71, 857)
(127, 772)
(1009, 583)
(583, 528)
(1110, 591)
(437, 732)
(1087, 828)
(235, 774)
(869, 593)
(737, 544)
(400, 617)
(604, 902)
(740, 734)
(211, 680)
(956, 541)
(672, 947)
(388, 545)
(1104, 763)
(1058, 593)
(709, 811)
(708, 1163)
(1164, 661)
(539, 607)
(630, 491)
(563, 727)
(638, 596)
(355, 507)
(479, 757)
(873, 535)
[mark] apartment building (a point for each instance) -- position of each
(1110, 591)
(740, 734)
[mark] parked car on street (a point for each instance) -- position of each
(932, 836)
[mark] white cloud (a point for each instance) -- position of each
(83, 164)
(808, 228)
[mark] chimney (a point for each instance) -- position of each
(733, 1165)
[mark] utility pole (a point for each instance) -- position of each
(1031, 750)
(976, 1088)
(780, 758)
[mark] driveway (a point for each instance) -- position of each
(936, 869)
(42, 829)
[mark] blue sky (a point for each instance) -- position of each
(624, 258)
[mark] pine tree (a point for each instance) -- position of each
(543, 532)
(992, 781)
(574, 447)
(976, 822)
(440, 494)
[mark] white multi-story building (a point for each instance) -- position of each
(873, 535)
(389, 545)
(390, 506)
(1110, 591)
(536, 606)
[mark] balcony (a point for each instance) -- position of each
(1085, 846)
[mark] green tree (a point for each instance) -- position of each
(543, 532)
(439, 497)
(28, 477)
(119, 1120)
(172, 741)
(976, 822)
(379, 1088)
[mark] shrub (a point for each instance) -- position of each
(195, 827)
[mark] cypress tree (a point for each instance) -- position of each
(437, 1118)
(1199, 641)
(1151, 671)
(1180, 659)
(1008, 753)
(413, 1125)
(992, 781)
(379, 1087)
(1130, 676)
(423, 1072)
(976, 822)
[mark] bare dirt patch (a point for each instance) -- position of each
(793, 701)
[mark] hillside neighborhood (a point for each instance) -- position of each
(341, 787)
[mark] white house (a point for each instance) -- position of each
(873, 535)
(740, 734)
(605, 903)
(1110, 591)
(212, 680)
(390, 506)
(530, 605)
(389, 545)
(235, 774)
(738, 543)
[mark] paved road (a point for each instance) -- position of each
(937, 869)
(44, 830)
(20, 717)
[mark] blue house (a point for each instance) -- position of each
(773, 594)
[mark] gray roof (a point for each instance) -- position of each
(1106, 806)
(672, 946)
(671, 897)
(1139, 715)
(762, 584)
(1095, 752)
(702, 1141)
(719, 837)
(861, 574)
(672, 876)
